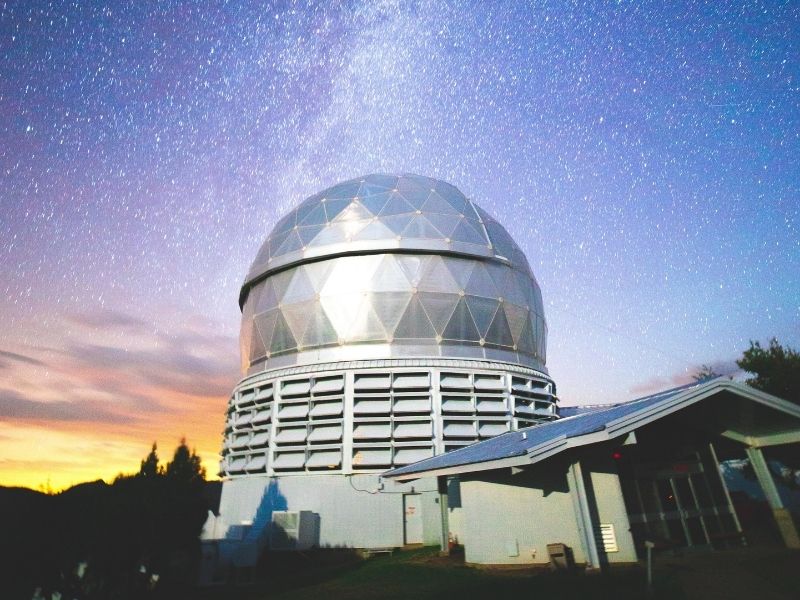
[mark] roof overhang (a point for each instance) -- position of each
(615, 429)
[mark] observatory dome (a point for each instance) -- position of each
(385, 267)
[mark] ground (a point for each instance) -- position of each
(765, 573)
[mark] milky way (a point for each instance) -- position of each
(644, 157)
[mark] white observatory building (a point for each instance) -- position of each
(385, 320)
(395, 392)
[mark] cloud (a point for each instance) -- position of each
(6, 359)
(13, 406)
(725, 368)
(107, 319)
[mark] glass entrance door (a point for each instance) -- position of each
(676, 504)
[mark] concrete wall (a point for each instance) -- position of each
(506, 514)
(348, 517)
(603, 482)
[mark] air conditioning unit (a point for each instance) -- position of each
(294, 530)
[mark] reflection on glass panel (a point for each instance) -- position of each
(366, 326)
(436, 204)
(299, 288)
(666, 495)
(413, 267)
(333, 206)
(460, 270)
(376, 201)
(292, 243)
(482, 310)
(389, 277)
(282, 338)
(265, 324)
(319, 331)
(390, 306)
(461, 326)
(437, 278)
(395, 205)
(316, 216)
(308, 233)
(414, 323)
(373, 231)
(480, 284)
(342, 310)
(296, 316)
(444, 224)
(317, 273)
(439, 308)
(354, 212)
(465, 232)
(499, 332)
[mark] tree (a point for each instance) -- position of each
(776, 369)
(149, 466)
(185, 465)
(705, 373)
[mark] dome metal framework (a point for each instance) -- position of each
(384, 320)
(407, 263)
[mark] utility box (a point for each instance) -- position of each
(294, 530)
(560, 557)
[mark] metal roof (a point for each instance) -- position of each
(526, 446)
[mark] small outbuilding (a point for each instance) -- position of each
(605, 480)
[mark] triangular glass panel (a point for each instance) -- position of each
(480, 284)
(437, 278)
(315, 217)
(366, 325)
(291, 244)
(369, 188)
(299, 289)
(257, 349)
(439, 308)
(333, 206)
(348, 189)
(386, 181)
(305, 208)
(267, 299)
(416, 197)
(351, 275)
(319, 331)
(436, 204)
(452, 196)
(526, 341)
(252, 299)
(499, 332)
(420, 227)
(285, 225)
(276, 241)
(484, 216)
(389, 306)
(262, 256)
(516, 317)
(354, 212)
(415, 323)
(396, 205)
(389, 277)
(282, 338)
(309, 233)
(460, 269)
(397, 223)
(464, 232)
(374, 231)
(296, 316)
(265, 325)
(341, 310)
(280, 282)
(501, 241)
(317, 273)
(332, 234)
(444, 224)
(375, 202)
(514, 291)
(413, 267)
(461, 326)
(483, 310)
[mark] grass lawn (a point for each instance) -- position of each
(765, 574)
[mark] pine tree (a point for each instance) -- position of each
(185, 465)
(149, 466)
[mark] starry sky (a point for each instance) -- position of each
(645, 155)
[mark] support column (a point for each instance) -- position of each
(444, 516)
(783, 517)
(584, 515)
